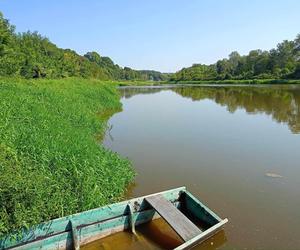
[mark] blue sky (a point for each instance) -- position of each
(164, 35)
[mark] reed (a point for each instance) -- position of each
(51, 163)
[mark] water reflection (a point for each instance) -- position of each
(282, 102)
(128, 92)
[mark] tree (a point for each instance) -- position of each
(223, 67)
(31, 55)
(234, 59)
(6, 34)
(281, 62)
(285, 56)
(297, 48)
(93, 57)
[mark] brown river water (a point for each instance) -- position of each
(236, 148)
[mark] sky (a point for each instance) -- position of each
(163, 35)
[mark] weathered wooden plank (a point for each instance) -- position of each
(76, 243)
(176, 219)
(203, 236)
(132, 219)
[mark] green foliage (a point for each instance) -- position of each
(197, 72)
(51, 163)
(280, 63)
(6, 34)
(31, 55)
(152, 75)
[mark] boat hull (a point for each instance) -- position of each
(76, 230)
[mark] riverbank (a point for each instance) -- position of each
(200, 82)
(248, 81)
(51, 163)
(141, 83)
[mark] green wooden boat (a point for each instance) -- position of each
(190, 219)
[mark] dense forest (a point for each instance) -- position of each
(280, 63)
(31, 55)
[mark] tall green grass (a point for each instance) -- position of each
(51, 163)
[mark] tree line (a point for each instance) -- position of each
(30, 55)
(283, 62)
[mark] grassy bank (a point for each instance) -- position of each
(51, 163)
(249, 81)
(141, 83)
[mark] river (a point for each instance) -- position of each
(236, 148)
